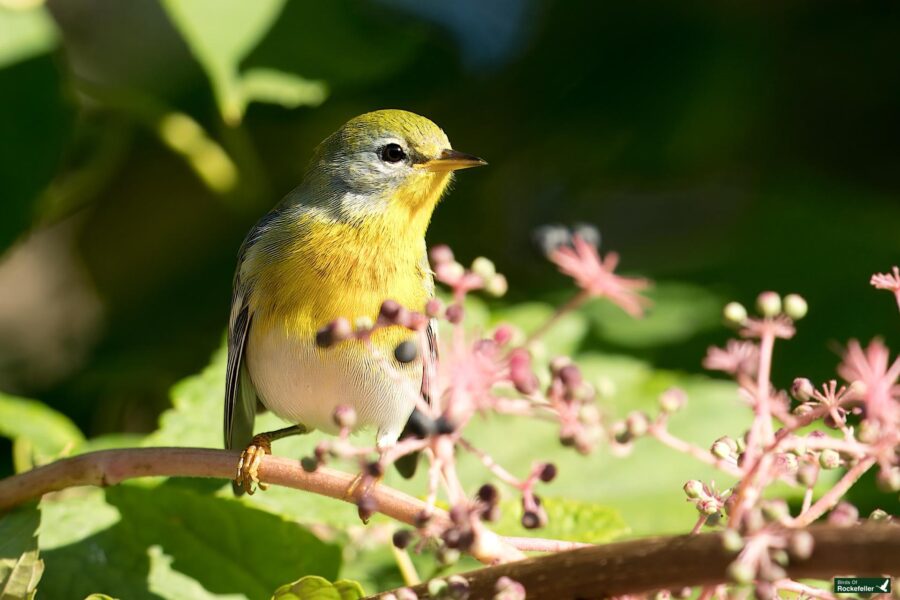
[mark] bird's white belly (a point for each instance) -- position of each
(303, 384)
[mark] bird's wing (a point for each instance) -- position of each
(429, 360)
(240, 395)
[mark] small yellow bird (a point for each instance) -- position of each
(351, 236)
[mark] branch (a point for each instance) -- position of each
(672, 563)
(110, 467)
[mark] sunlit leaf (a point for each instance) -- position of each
(169, 541)
(317, 588)
(220, 33)
(277, 87)
(45, 433)
(25, 33)
(20, 566)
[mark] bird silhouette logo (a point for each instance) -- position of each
(884, 586)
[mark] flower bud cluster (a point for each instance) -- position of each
(391, 313)
(706, 499)
(481, 275)
(574, 401)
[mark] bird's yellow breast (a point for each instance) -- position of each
(330, 268)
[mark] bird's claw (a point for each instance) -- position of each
(247, 476)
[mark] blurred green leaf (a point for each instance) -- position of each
(277, 87)
(570, 520)
(136, 541)
(220, 33)
(317, 588)
(24, 33)
(20, 566)
(45, 433)
(679, 311)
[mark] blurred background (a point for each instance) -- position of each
(721, 148)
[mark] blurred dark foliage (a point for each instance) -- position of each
(741, 147)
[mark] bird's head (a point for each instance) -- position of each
(387, 159)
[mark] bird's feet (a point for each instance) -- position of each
(247, 477)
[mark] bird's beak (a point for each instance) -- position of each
(452, 160)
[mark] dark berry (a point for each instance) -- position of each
(406, 352)
(548, 473)
(402, 538)
(531, 520)
(488, 494)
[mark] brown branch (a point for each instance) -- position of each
(109, 467)
(641, 566)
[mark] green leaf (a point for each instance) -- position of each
(569, 520)
(317, 588)
(169, 541)
(42, 433)
(24, 33)
(277, 87)
(20, 566)
(221, 33)
(679, 312)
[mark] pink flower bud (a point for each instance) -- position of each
(344, 416)
(434, 308)
(455, 313)
(843, 515)
(520, 372)
(802, 389)
(390, 311)
(441, 254)
(672, 400)
(503, 334)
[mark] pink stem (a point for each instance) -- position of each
(833, 496)
(660, 433)
(701, 521)
(491, 464)
(526, 544)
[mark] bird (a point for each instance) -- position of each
(349, 237)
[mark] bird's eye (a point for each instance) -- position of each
(392, 153)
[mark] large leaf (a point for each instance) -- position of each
(41, 434)
(20, 566)
(170, 541)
